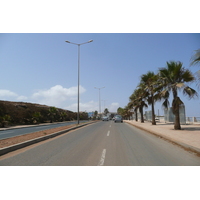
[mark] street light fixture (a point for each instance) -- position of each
(99, 98)
(78, 71)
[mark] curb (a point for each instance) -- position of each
(6, 150)
(180, 144)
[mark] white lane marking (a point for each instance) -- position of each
(110, 126)
(108, 133)
(103, 155)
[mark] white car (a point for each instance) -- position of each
(105, 118)
(118, 118)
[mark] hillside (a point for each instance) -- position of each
(20, 113)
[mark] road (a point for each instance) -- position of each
(25, 130)
(102, 144)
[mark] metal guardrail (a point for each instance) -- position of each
(189, 120)
(169, 117)
(193, 120)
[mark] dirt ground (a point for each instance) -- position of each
(30, 136)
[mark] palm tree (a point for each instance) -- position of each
(130, 107)
(120, 111)
(5, 120)
(95, 114)
(63, 116)
(106, 111)
(173, 78)
(52, 113)
(138, 99)
(36, 117)
(149, 82)
(126, 113)
(141, 93)
(195, 59)
(133, 104)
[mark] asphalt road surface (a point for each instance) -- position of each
(102, 144)
(25, 130)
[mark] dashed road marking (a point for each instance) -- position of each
(103, 155)
(108, 133)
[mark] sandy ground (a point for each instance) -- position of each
(30, 136)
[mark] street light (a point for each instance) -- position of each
(78, 70)
(99, 98)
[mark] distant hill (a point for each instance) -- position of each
(15, 113)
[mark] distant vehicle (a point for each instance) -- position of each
(118, 118)
(105, 118)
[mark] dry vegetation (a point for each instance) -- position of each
(22, 113)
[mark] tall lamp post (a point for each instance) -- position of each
(78, 71)
(99, 98)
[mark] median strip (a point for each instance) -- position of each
(18, 142)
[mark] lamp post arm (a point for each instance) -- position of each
(80, 43)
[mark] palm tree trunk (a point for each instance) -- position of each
(141, 113)
(153, 112)
(177, 125)
(136, 116)
(175, 107)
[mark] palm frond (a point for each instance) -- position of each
(180, 85)
(187, 76)
(191, 93)
(197, 74)
(195, 59)
(165, 103)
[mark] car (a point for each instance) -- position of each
(105, 118)
(118, 118)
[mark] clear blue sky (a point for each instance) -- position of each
(42, 68)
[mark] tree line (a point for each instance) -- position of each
(158, 86)
(19, 113)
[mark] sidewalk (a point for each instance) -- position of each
(188, 137)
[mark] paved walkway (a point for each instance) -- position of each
(188, 137)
